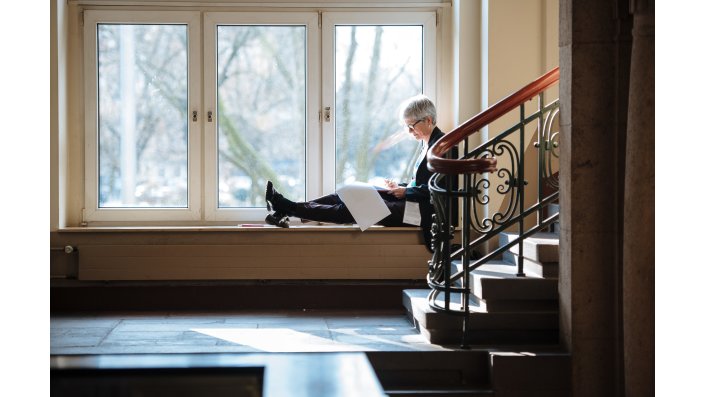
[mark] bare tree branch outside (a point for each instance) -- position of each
(377, 67)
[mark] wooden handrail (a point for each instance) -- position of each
(437, 163)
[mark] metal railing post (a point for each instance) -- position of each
(541, 158)
(520, 186)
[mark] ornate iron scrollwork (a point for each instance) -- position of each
(479, 224)
(551, 150)
(505, 180)
(505, 186)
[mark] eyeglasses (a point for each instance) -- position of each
(412, 126)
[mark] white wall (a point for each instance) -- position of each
(523, 45)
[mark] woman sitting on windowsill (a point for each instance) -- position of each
(419, 115)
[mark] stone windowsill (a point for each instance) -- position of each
(235, 228)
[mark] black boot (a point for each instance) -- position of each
(277, 219)
(277, 202)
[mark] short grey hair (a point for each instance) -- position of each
(418, 107)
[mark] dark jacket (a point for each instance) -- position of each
(420, 193)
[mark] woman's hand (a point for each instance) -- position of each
(391, 184)
(398, 192)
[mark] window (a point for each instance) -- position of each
(262, 89)
(309, 101)
(376, 61)
(142, 115)
(261, 108)
(142, 147)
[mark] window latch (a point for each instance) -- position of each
(210, 116)
(326, 114)
(195, 115)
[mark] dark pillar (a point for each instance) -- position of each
(591, 193)
(638, 279)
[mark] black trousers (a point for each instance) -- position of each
(330, 208)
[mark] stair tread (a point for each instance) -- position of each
(532, 267)
(421, 296)
(497, 269)
(545, 238)
(498, 280)
(540, 247)
(416, 302)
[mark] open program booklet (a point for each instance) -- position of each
(364, 203)
(367, 207)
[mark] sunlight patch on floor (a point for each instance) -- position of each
(277, 340)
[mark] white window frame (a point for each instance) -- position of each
(313, 141)
(92, 210)
(202, 152)
(330, 20)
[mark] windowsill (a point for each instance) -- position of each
(235, 228)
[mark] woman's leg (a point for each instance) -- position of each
(330, 199)
(330, 208)
(317, 210)
(323, 209)
(396, 207)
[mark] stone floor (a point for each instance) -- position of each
(247, 332)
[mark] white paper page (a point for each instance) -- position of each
(364, 203)
(412, 213)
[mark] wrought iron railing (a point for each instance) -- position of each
(491, 172)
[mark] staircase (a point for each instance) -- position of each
(513, 347)
(504, 308)
(493, 277)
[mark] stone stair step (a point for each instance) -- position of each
(533, 374)
(540, 247)
(485, 327)
(497, 280)
(450, 371)
(545, 270)
(416, 302)
(490, 337)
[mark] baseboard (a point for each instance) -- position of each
(73, 295)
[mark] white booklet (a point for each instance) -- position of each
(364, 203)
(412, 213)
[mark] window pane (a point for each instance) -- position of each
(261, 113)
(143, 115)
(376, 68)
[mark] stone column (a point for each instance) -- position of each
(590, 195)
(638, 276)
